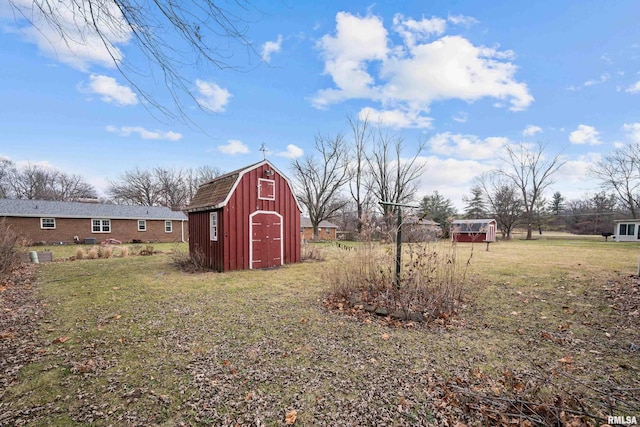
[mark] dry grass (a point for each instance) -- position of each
(134, 341)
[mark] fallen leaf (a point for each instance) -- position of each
(60, 340)
(386, 336)
(117, 316)
(290, 417)
(567, 359)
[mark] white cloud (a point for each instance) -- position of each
(603, 78)
(212, 97)
(585, 135)
(413, 31)
(144, 133)
(461, 117)
(633, 131)
(531, 130)
(271, 47)
(110, 91)
(365, 65)
(396, 118)
(292, 152)
(467, 146)
(82, 46)
(467, 21)
(233, 147)
(357, 41)
(635, 88)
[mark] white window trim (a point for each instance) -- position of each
(170, 223)
(101, 225)
(47, 228)
(213, 226)
(271, 182)
(144, 225)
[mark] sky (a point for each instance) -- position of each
(464, 78)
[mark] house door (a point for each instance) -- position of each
(266, 239)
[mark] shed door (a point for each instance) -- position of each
(266, 239)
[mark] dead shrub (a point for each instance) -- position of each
(10, 248)
(148, 250)
(93, 253)
(190, 262)
(430, 285)
(107, 251)
(311, 252)
(79, 253)
(124, 251)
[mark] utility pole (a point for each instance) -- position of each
(398, 237)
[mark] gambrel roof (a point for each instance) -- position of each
(56, 209)
(216, 193)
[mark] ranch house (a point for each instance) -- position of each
(327, 230)
(47, 222)
(245, 219)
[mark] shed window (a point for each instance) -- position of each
(48, 223)
(266, 189)
(168, 226)
(101, 225)
(213, 225)
(142, 225)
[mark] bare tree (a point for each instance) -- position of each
(7, 170)
(358, 165)
(318, 180)
(391, 177)
(531, 173)
(172, 186)
(195, 177)
(136, 187)
(73, 187)
(619, 172)
(36, 182)
(171, 36)
(505, 203)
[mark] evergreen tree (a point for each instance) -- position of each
(475, 204)
(439, 209)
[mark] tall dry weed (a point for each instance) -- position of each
(10, 248)
(430, 284)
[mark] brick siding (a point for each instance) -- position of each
(307, 233)
(124, 230)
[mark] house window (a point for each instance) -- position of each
(101, 225)
(168, 226)
(627, 229)
(48, 223)
(213, 225)
(142, 225)
(328, 231)
(266, 189)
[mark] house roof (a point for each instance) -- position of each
(471, 225)
(49, 208)
(216, 193)
(306, 223)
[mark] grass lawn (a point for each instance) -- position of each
(134, 341)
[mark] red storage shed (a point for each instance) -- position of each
(245, 219)
(473, 230)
